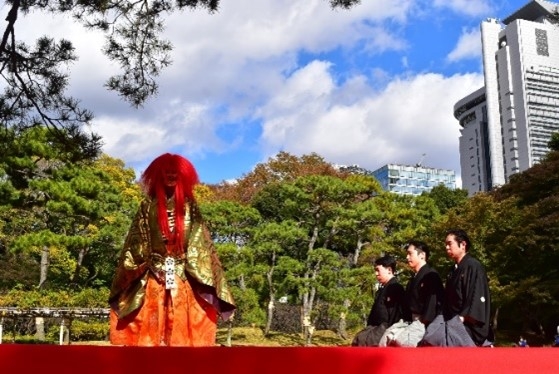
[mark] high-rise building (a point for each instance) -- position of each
(507, 124)
(413, 180)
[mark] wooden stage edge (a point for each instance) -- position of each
(84, 359)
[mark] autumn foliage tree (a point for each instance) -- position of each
(527, 252)
(283, 167)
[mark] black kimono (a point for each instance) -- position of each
(424, 295)
(388, 304)
(467, 295)
(386, 310)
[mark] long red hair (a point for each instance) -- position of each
(153, 182)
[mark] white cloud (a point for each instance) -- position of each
(260, 41)
(238, 58)
(233, 59)
(411, 116)
(243, 64)
(178, 125)
(468, 46)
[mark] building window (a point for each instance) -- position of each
(541, 42)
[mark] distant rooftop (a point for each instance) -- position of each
(532, 11)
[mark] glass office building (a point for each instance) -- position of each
(413, 180)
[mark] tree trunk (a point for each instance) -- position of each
(270, 315)
(357, 252)
(81, 256)
(308, 295)
(495, 319)
(64, 337)
(40, 328)
(272, 302)
(342, 325)
(308, 303)
(229, 332)
(45, 261)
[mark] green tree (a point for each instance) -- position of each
(357, 218)
(27, 156)
(403, 218)
(229, 221)
(316, 203)
(232, 226)
(446, 198)
(271, 241)
(488, 222)
(83, 220)
(351, 234)
(480, 218)
(529, 252)
(554, 142)
(70, 216)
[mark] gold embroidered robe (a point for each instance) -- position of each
(143, 257)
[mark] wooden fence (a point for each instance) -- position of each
(66, 315)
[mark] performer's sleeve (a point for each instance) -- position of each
(477, 295)
(126, 290)
(204, 266)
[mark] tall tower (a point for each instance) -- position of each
(507, 124)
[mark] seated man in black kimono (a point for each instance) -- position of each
(423, 300)
(467, 290)
(424, 291)
(387, 307)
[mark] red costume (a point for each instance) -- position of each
(169, 286)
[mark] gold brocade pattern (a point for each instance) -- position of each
(142, 256)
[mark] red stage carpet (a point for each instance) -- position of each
(82, 359)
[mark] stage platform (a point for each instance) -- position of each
(85, 359)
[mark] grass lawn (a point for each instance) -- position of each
(253, 336)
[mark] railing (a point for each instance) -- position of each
(65, 314)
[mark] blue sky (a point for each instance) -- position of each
(368, 86)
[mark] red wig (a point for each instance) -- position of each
(153, 182)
